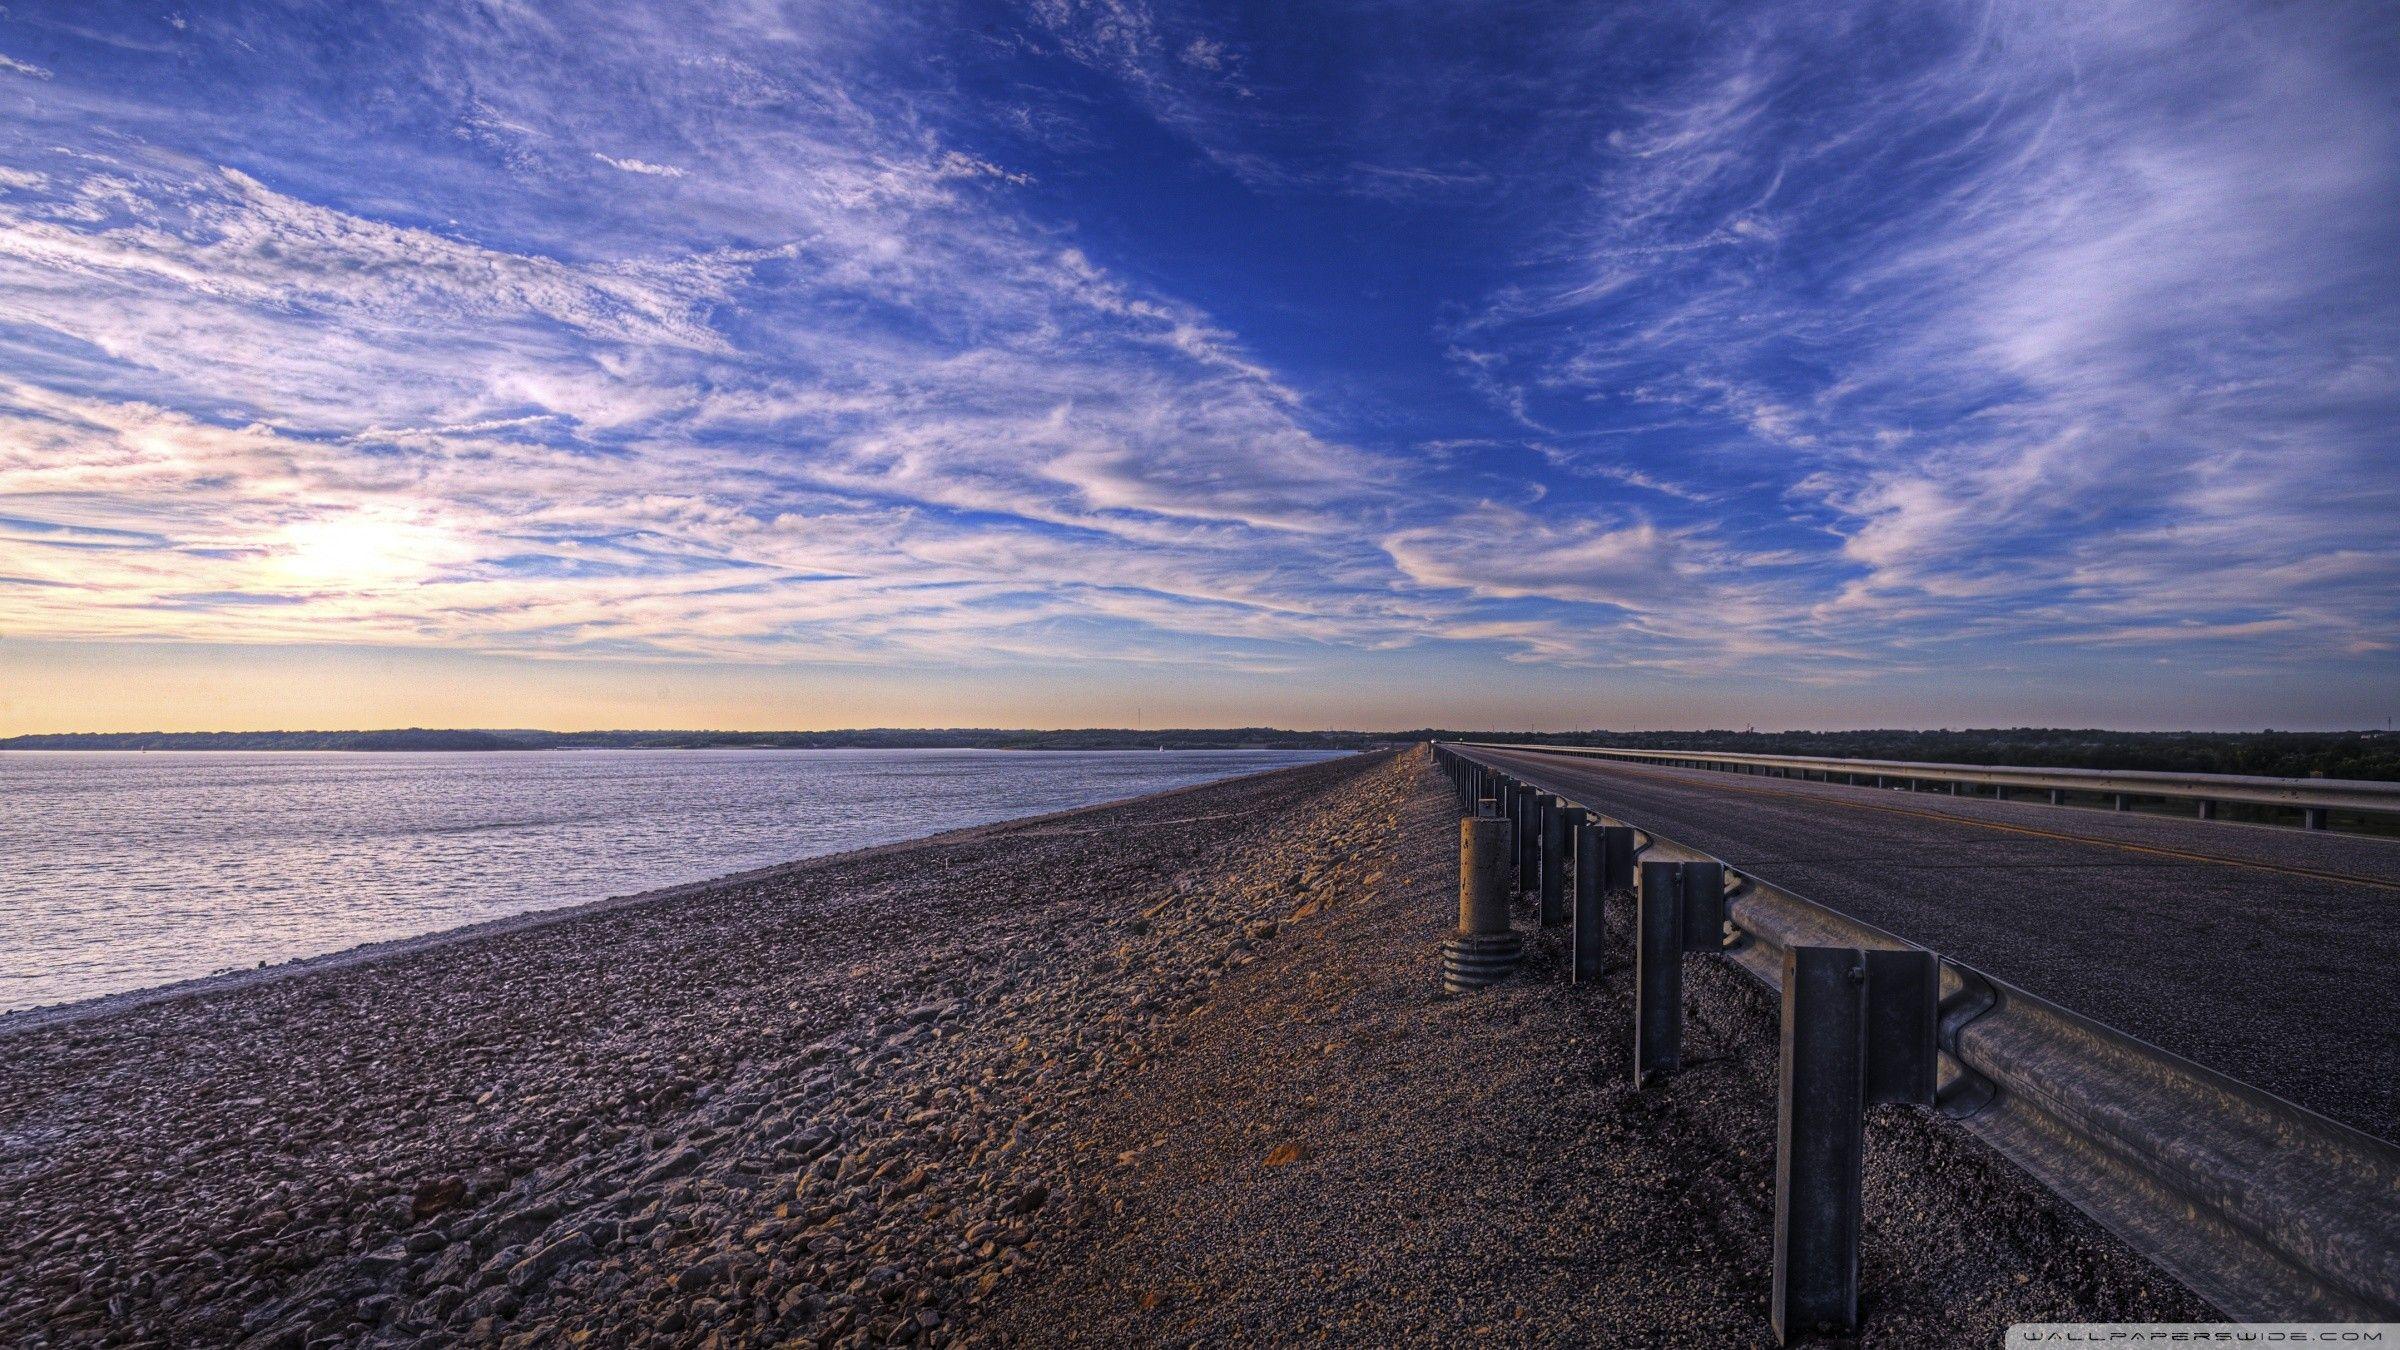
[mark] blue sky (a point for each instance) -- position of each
(1362, 363)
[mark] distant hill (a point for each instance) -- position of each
(2281, 754)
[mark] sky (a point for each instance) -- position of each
(1093, 362)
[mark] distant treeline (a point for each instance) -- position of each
(2278, 754)
(2283, 754)
(963, 738)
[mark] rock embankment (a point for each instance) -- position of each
(839, 1105)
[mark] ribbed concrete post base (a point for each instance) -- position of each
(1471, 961)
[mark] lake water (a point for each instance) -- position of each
(122, 870)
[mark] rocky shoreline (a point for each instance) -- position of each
(1169, 1071)
(830, 1104)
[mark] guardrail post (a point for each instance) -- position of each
(1681, 909)
(2058, 796)
(2313, 818)
(2208, 809)
(2122, 802)
(1558, 830)
(1544, 807)
(1603, 864)
(1617, 858)
(1591, 849)
(1858, 1029)
(1658, 973)
(1529, 838)
(1570, 819)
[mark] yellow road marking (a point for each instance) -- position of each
(1835, 800)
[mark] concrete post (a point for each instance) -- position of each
(1484, 949)
(1482, 877)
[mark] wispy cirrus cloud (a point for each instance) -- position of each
(832, 397)
(1691, 340)
(2062, 318)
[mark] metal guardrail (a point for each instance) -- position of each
(2266, 1209)
(2312, 797)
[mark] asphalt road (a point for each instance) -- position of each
(2271, 955)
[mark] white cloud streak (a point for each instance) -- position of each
(2067, 320)
(877, 417)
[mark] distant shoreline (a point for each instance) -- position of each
(42, 1016)
(551, 749)
(435, 739)
(2358, 754)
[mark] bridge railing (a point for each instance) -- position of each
(2266, 1209)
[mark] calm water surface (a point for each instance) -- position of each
(121, 870)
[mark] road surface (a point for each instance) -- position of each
(2271, 955)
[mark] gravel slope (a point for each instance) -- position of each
(2281, 981)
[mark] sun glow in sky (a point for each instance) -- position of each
(357, 552)
(800, 364)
